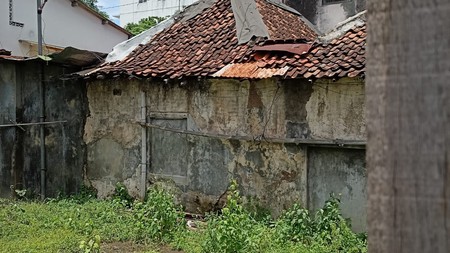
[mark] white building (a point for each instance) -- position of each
(64, 23)
(131, 11)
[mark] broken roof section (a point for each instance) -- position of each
(338, 54)
(69, 56)
(208, 41)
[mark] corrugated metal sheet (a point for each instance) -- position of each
(298, 48)
(249, 70)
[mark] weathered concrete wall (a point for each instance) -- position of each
(343, 173)
(200, 167)
(335, 110)
(20, 152)
(327, 16)
(272, 174)
(112, 136)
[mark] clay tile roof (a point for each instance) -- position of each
(206, 43)
(342, 57)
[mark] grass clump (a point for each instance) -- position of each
(84, 224)
(296, 230)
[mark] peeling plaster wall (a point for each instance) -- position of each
(200, 167)
(336, 110)
(112, 136)
(20, 150)
(272, 174)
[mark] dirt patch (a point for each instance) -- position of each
(166, 249)
(130, 247)
(119, 247)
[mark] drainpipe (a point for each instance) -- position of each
(144, 146)
(42, 99)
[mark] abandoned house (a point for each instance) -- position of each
(226, 89)
(244, 90)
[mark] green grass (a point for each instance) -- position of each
(61, 225)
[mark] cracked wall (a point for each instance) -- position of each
(199, 166)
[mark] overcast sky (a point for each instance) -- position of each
(105, 5)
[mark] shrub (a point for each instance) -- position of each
(158, 217)
(328, 231)
(234, 230)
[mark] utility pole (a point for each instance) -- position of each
(408, 116)
(40, 7)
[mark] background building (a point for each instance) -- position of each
(131, 11)
(64, 23)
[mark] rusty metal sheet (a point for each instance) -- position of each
(249, 70)
(297, 48)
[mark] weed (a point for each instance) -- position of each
(158, 217)
(122, 196)
(92, 245)
(233, 231)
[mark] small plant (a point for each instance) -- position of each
(91, 246)
(122, 196)
(327, 230)
(233, 231)
(85, 194)
(21, 193)
(158, 217)
(296, 225)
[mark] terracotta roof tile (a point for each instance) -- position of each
(342, 57)
(205, 43)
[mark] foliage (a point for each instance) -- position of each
(234, 230)
(63, 224)
(85, 194)
(158, 217)
(143, 24)
(327, 230)
(93, 4)
(77, 223)
(91, 246)
(122, 196)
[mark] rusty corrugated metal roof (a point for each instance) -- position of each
(299, 49)
(249, 70)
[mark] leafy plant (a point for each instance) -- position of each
(93, 4)
(158, 217)
(143, 24)
(122, 196)
(91, 246)
(326, 231)
(234, 230)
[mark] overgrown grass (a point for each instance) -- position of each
(76, 224)
(81, 223)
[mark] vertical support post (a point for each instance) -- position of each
(42, 100)
(408, 126)
(144, 146)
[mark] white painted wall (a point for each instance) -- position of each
(63, 25)
(133, 11)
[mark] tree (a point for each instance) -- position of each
(143, 24)
(93, 4)
(408, 115)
